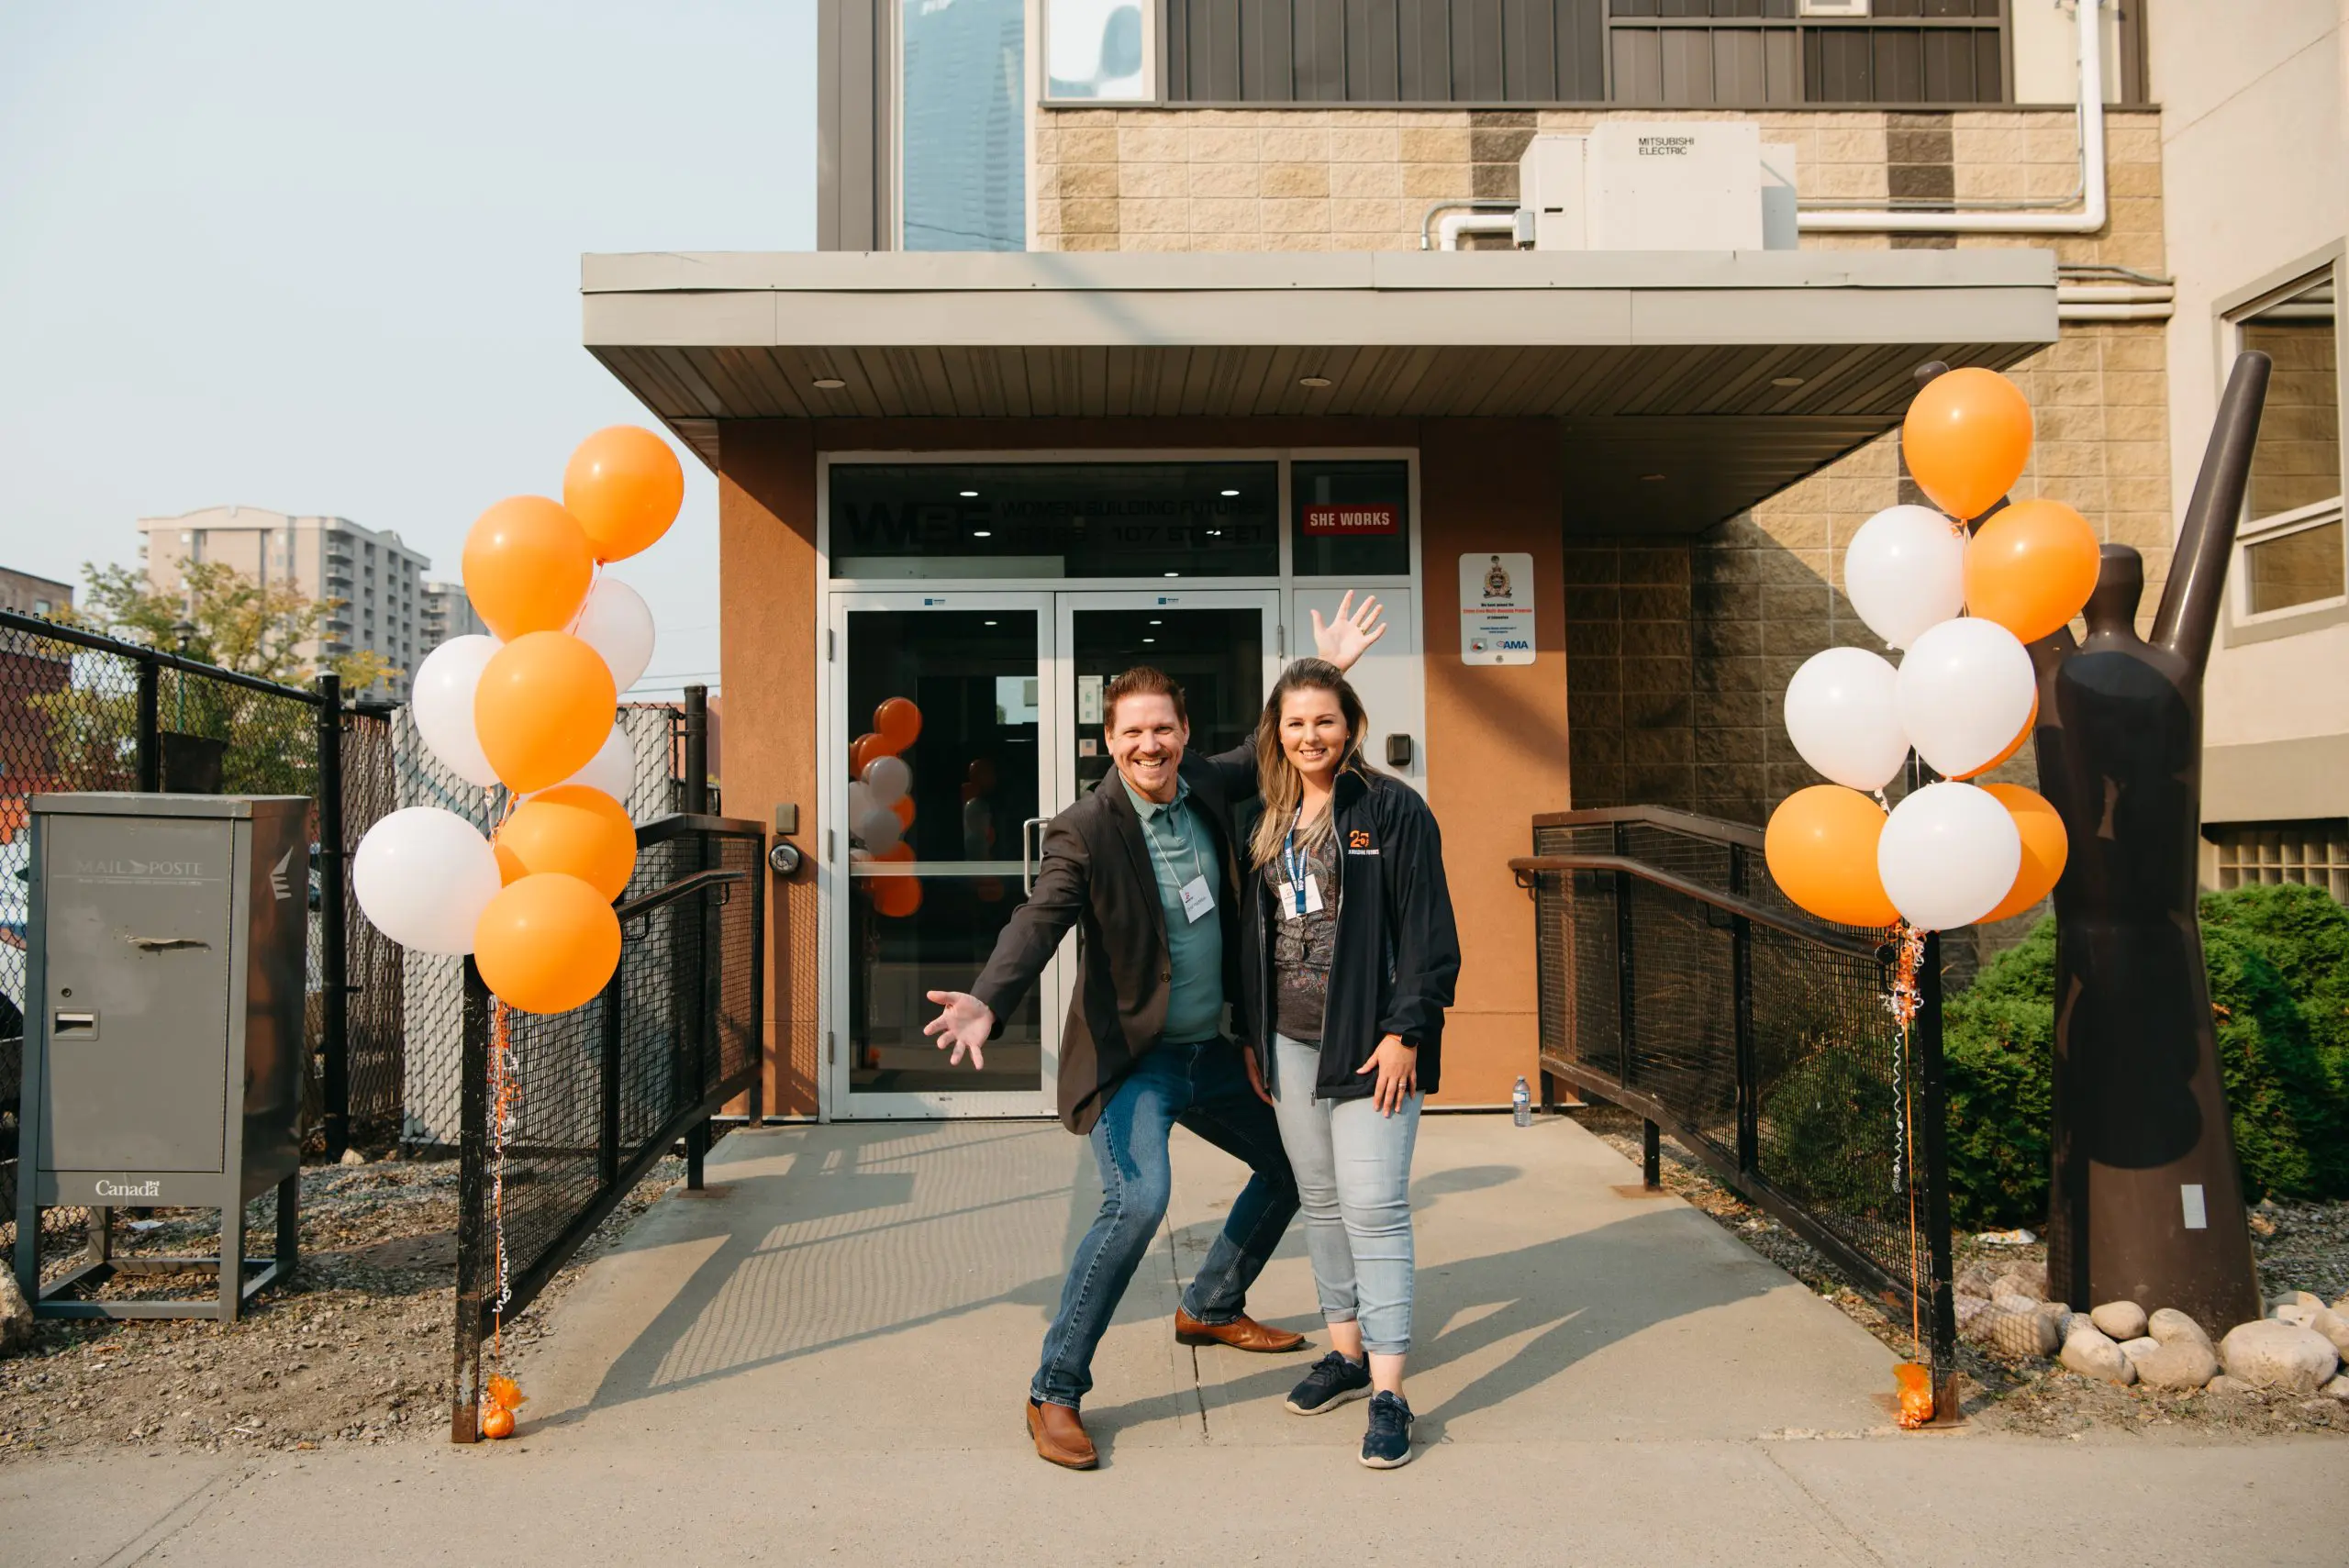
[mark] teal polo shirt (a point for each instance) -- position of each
(1181, 847)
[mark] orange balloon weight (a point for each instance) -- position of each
(900, 722)
(1967, 439)
(624, 484)
(2032, 568)
(527, 567)
(2012, 746)
(570, 829)
(896, 897)
(543, 709)
(496, 1421)
(548, 944)
(2046, 847)
(1820, 846)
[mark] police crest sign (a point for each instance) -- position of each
(1496, 608)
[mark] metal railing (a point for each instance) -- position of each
(606, 1089)
(1677, 981)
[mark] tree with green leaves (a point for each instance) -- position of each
(231, 620)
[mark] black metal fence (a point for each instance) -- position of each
(1677, 980)
(605, 1090)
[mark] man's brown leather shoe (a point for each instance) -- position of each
(1242, 1333)
(1060, 1437)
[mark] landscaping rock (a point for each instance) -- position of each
(2273, 1354)
(16, 1315)
(2181, 1363)
(2137, 1349)
(2294, 1313)
(2307, 1298)
(1968, 1309)
(2334, 1327)
(2170, 1325)
(2023, 1279)
(2020, 1333)
(1978, 1279)
(2235, 1386)
(2336, 1389)
(2120, 1321)
(2088, 1351)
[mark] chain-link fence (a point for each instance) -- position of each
(1677, 981)
(600, 1092)
(82, 712)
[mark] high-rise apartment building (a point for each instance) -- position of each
(447, 613)
(378, 580)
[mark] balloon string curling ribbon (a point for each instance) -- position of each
(1903, 1003)
(504, 1080)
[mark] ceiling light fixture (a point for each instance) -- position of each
(830, 383)
(1173, 574)
(982, 533)
(1786, 381)
(1149, 639)
(1649, 478)
(1231, 492)
(1158, 623)
(970, 494)
(1313, 381)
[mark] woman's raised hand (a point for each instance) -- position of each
(1348, 635)
(1397, 1066)
(965, 1024)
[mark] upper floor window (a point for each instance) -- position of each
(1098, 50)
(2292, 547)
(962, 125)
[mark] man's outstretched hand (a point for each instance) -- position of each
(1348, 635)
(965, 1024)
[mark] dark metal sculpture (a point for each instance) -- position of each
(2146, 1203)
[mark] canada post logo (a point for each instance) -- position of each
(148, 1188)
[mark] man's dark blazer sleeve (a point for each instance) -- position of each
(1035, 929)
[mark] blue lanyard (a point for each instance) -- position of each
(1293, 860)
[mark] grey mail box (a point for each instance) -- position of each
(168, 946)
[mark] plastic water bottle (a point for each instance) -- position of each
(1521, 1104)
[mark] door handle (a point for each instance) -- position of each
(73, 1025)
(1028, 861)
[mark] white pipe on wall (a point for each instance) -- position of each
(2088, 219)
(1454, 224)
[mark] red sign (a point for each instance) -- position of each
(1375, 518)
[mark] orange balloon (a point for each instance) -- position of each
(2046, 847)
(543, 709)
(574, 829)
(1820, 847)
(896, 897)
(527, 567)
(900, 722)
(2032, 568)
(1967, 439)
(904, 809)
(2012, 746)
(900, 850)
(496, 1421)
(624, 484)
(861, 751)
(548, 944)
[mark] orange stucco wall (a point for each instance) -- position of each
(1496, 740)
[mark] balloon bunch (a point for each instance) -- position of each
(881, 803)
(532, 707)
(1964, 696)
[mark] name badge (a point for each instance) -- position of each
(1198, 901)
(1294, 908)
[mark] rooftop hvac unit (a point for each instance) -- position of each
(1660, 185)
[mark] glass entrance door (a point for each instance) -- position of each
(939, 731)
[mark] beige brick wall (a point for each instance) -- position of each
(1678, 652)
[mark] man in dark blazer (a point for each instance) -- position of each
(1149, 868)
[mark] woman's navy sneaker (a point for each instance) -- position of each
(1387, 1444)
(1333, 1380)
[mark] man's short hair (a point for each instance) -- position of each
(1140, 682)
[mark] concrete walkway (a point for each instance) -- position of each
(826, 1355)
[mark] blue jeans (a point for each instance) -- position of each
(1204, 1088)
(1353, 1172)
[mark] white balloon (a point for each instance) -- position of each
(1967, 688)
(1948, 854)
(1905, 571)
(859, 801)
(617, 623)
(1844, 718)
(443, 705)
(888, 778)
(613, 769)
(424, 875)
(879, 828)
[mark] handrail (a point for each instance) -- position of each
(678, 824)
(36, 625)
(671, 892)
(1526, 866)
(1713, 829)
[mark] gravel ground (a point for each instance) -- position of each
(2298, 1245)
(357, 1348)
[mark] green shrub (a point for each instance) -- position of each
(2278, 965)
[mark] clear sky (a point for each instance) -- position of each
(323, 257)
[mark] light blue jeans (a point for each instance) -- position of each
(1354, 1184)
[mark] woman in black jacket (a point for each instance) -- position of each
(1349, 958)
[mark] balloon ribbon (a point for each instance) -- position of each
(1915, 1379)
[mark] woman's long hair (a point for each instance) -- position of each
(1276, 776)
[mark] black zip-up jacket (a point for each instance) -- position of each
(1396, 955)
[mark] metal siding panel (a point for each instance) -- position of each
(1580, 39)
(1371, 65)
(1898, 66)
(1529, 59)
(1476, 48)
(1227, 48)
(1639, 65)
(1989, 68)
(1781, 66)
(1268, 53)
(1737, 76)
(1176, 21)
(1320, 49)
(1423, 28)
(1687, 65)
